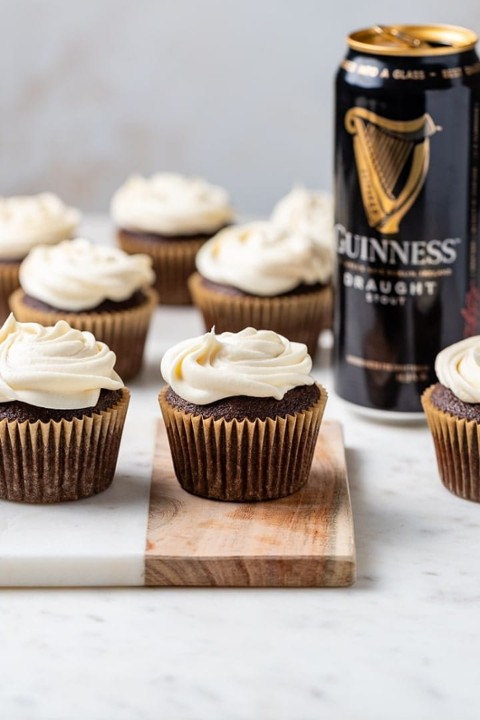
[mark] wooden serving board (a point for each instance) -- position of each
(305, 540)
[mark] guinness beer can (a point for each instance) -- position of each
(407, 204)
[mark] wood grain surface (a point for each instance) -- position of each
(305, 540)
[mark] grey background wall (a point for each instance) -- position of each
(240, 91)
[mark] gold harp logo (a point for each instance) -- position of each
(389, 154)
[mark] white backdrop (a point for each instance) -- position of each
(240, 91)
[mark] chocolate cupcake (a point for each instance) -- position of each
(311, 213)
(452, 407)
(262, 276)
(242, 414)
(27, 221)
(169, 217)
(93, 287)
(62, 410)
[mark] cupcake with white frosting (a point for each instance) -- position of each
(311, 213)
(169, 217)
(242, 414)
(452, 407)
(62, 410)
(27, 221)
(263, 276)
(93, 287)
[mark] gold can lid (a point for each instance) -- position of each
(412, 40)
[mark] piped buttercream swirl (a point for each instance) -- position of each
(458, 368)
(78, 275)
(310, 213)
(53, 367)
(170, 204)
(26, 221)
(262, 259)
(255, 363)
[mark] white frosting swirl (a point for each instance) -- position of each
(458, 369)
(78, 275)
(28, 221)
(53, 367)
(256, 363)
(170, 204)
(262, 259)
(311, 213)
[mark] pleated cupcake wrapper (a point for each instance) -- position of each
(8, 283)
(299, 317)
(242, 460)
(56, 461)
(457, 447)
(173, 262)
(124, 331)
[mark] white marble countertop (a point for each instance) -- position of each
(401, 643)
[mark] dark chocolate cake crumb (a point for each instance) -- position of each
(162, 238)
(242, 407)
(108, 306)
(22, 412)
(10, 261)
(301, 289)
(444, 399)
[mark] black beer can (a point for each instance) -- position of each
(407, 205)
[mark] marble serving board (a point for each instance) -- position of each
(145, 530)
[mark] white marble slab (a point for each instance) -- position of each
(97, 541)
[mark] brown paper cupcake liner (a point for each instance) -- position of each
(300, 317)
(8, 283)
(173, 262)
(457, 447)
(242, 460)
(56, 461)
(124, 331)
